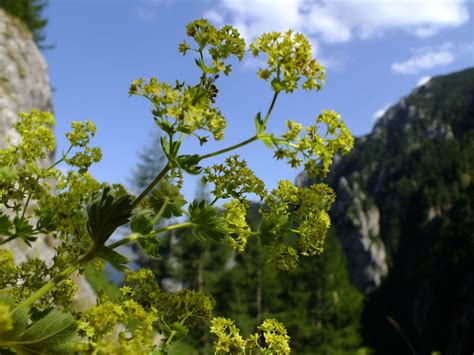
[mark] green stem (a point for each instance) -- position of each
(8, 239)
(134, 236)
(152, 184)
(251, 139)
(62, 158)
(175, 226)
(160, 212)
(270, 109)
(26, 206)
(241, 144)
(126, 240)
(170, 338)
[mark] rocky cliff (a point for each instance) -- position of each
(24, 85)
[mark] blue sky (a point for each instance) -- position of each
(374, 51)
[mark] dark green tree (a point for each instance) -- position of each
(30, 12)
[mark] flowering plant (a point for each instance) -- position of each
(81, 214)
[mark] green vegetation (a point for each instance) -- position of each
(82, 215)
(30, 12)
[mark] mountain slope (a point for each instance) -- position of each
(405, 218)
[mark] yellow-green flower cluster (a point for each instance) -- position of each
(64, 212)
(289, 59)
(222, 43)
(315, 148)
(233, 179)
(23, 178)
(176, 311)
(79, 137)
(185, 109)
(271, 333)
(234, 217)
(276, 338)
(100, 325)
(291, 211)
(228, 335)
(37, 136)
(23, 279)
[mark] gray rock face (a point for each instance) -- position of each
(23, 75)
(358, 224)
(24, 85)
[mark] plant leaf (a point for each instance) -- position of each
(169, 194)
(268, 140)
(106, 213)
(23, 230)
(50, 335)
(259, 124)
(116, 260)
(207, 224)
(189, 163)
(150, 245)
(142, 221)
(5, 225)
(20, 319)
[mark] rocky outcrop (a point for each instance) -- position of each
(24, 85)
(360, 221)
(23, 74)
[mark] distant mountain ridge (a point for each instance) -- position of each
(404, 215)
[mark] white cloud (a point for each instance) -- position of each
(380, 112)
(423, 81)
(215, 17)
(340, 21)
(425, 58)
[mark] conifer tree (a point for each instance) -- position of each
(30, 12)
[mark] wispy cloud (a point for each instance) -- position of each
(427, 58)
(341, 21)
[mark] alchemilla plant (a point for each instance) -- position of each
(81, 214)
